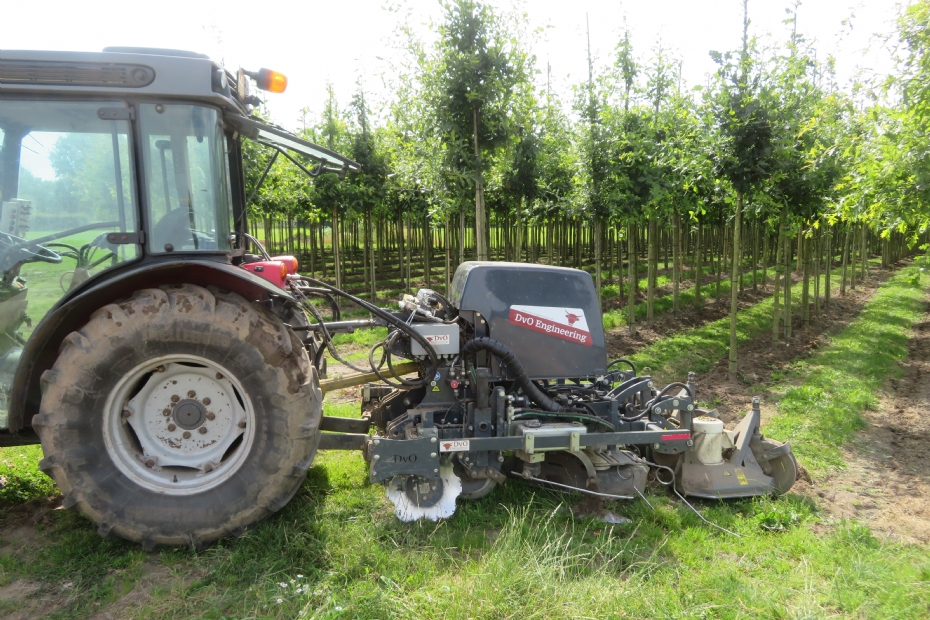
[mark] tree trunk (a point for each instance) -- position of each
(480, 239)
(652, 264)
(788, 247)
(597, 257)
(780, 243)
(804, 257)
(676, 262)
(631, 265)
(698, 264)
(737, 223)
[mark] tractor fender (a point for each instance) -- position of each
(71, 313)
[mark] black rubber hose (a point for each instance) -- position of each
(505, 355)
(390, 319)
(622, 360)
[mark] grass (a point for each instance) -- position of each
(842, 381)
(698, 349)
(336, 551)
(664, 304)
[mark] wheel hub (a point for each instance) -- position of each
(179, 424)
(189, 414)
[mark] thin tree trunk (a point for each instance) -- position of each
(737, 223)
(779, 245)
(631, 265)
(652, 263)
(480, 239)
(676, 263)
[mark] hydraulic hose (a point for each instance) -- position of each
(431, 366)
(505, 355)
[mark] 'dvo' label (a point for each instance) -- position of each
(455, 445)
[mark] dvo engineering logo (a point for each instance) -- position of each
(565, 323)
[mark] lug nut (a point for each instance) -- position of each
(166, 412)
(150, 463)
(207, 401)
(210, 416)
(171, 427)
(208, 467)
(175, 398)
(160, 369)
(202, 430)
(241, 424)
(126, 413)
(191, 394)
(219, 375)
(186, 435)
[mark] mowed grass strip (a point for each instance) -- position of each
(698, 349)
(844, 379)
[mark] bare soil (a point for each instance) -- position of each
(887, 481)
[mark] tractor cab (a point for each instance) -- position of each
(112, 163)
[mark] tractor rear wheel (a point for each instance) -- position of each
(179, 416)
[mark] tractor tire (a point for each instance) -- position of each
(179, 416)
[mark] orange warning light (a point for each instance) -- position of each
(271, 81)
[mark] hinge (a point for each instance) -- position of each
(116, 114)
(123, 238)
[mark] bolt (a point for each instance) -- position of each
(126, 413)
(171, 427)
(407, 401)
(500, 459)
(690, 443)
(435, 471)
(175, 398)
(377, 442)
(675, 402)
(160, 369)
(432, 455)
(186, 435)
(656, 409)
(202, 430)
(150, 463)
(655, 446)
(208, 467)
(191, 393)
(376, 457)
(210, 416)
(432, 440)
(690, 407)
(207, 401)
(219, 375)
(241, 424)
(166, 412)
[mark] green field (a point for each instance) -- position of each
(336, 551)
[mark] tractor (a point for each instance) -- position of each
(171, 368)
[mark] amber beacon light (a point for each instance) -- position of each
(271, 81)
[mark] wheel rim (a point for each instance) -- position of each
(178, 424)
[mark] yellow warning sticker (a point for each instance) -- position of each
(741, 477)
(726, 472)
(435, 388)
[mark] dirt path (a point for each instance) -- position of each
(887, 481)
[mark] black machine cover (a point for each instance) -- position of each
(548, 316)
